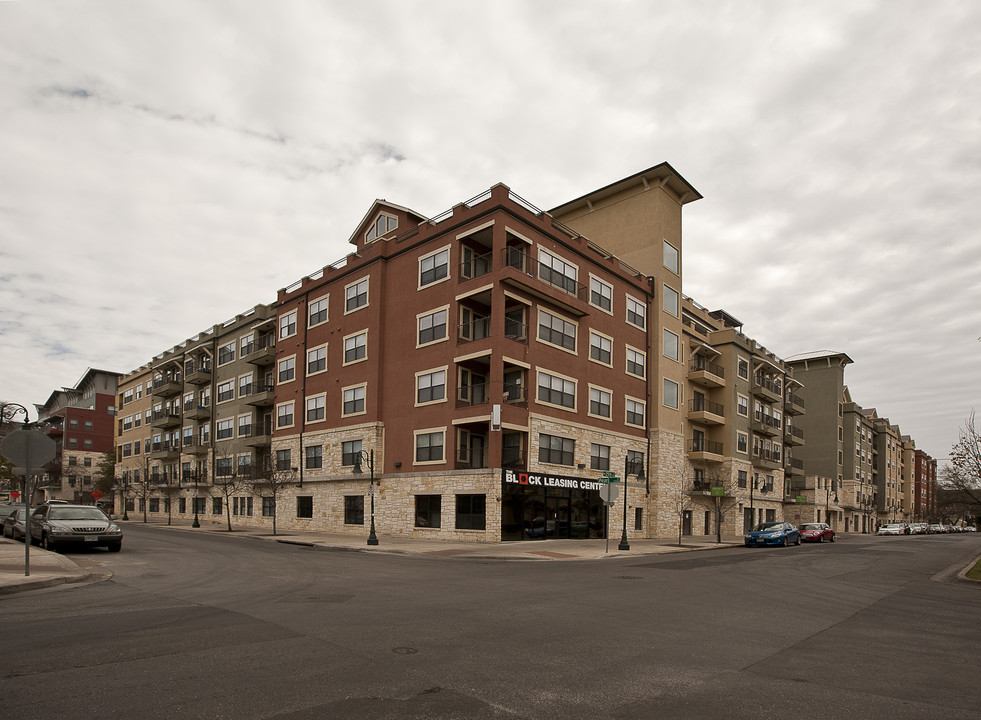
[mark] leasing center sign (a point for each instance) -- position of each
(518, 477)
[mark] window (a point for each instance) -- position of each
(636, 362)
(742, 405)
(742, 368)
(636, 312)
(428, 510)
(599, 402)
(317, 360)
(556, 450)
(671, 346)
(671, 258)
(226, 391)
(356, 295)
(287, 369)
(355, 347)
(600, 348)
(429, 446)
(245, 385)
(434, 267)
(226, 353)
(741, 478)
(287, 325)
(314, 457)
(672, 395)
(245, 468)
(284, 415)
(284, 460)
(471, 512)
(304, 506)
(557, 272)
(216, 505)
(554, 390)
(636, 412)
(601, 294)
(354, 509)
(557, 331)
(671, 301)
(635, 462)
(599, 457)
(224, 429)
(223, 467)
(316, 408)
(268, 506)
(430, 387)
(354, 400)
(318, 311)
(432, 327)
(350, 450)
(245, 347)
(742, 442)
(383, 224)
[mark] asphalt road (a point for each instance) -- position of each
(208, 626)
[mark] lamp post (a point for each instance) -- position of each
(195, 524)
(125, 486)
(624, 545)
(369, 458)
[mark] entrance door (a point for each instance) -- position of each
(557, 521)
(686, 523)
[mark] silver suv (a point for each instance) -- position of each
(58, 525)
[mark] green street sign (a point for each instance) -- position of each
(802, 498)
(718, 492)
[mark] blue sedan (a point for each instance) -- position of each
(773, 533)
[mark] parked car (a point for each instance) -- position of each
(57, 525)
(13, 524)
(891, 529)
(920, 528)
(773, 533)
(817, 532)
(935, 528)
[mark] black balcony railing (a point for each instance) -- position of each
(697, 445)
(700, 364)
(700, 404)
(476, 266)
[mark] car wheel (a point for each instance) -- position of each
(114, 547)
(47, 544)
(797, 540)
(786, 542)
(820, 538)
(832, 538)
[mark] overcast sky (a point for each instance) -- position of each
(166, 165)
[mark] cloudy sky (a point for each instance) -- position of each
(166, 165)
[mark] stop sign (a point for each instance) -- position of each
(28, 449)
(15, 494)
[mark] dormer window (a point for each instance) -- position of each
(383, 224)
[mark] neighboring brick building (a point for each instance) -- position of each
(81, 421)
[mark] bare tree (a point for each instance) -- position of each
(226, 482)
(684, 502)
(964, 472)
(270, 481)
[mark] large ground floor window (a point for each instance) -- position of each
(531, 512)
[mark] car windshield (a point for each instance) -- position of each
(811, 526)
(76, 513)
(892, 525)
(764, 527)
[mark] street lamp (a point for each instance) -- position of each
(369, 458)
(125, 485)
(624, 545)
(195, 524)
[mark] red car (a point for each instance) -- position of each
(817, 532)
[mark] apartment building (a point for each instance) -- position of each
(484, 368)
(195, 424)
(80, 421)
(742, 425)
(924, 486)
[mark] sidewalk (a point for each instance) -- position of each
(49, 568)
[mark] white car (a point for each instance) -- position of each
(892, 529)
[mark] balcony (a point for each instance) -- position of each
(263, 353)
(705, 373)
(194, 446)
(707, 450)
(258, 435)
(264, 396)
(515, 330)
(794, 404)
(704, 487)
(765, 425)
(475, 265)
(793, 435)
(767, 459)
(473, 394)
(476, 329)
(794, 467)
(164, 419)
(166, 386)
(706, 412)
(197, 412)
(543, 282)
(164, 451)
(198, 374)
(767, 389)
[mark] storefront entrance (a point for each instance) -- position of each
(545, 507)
